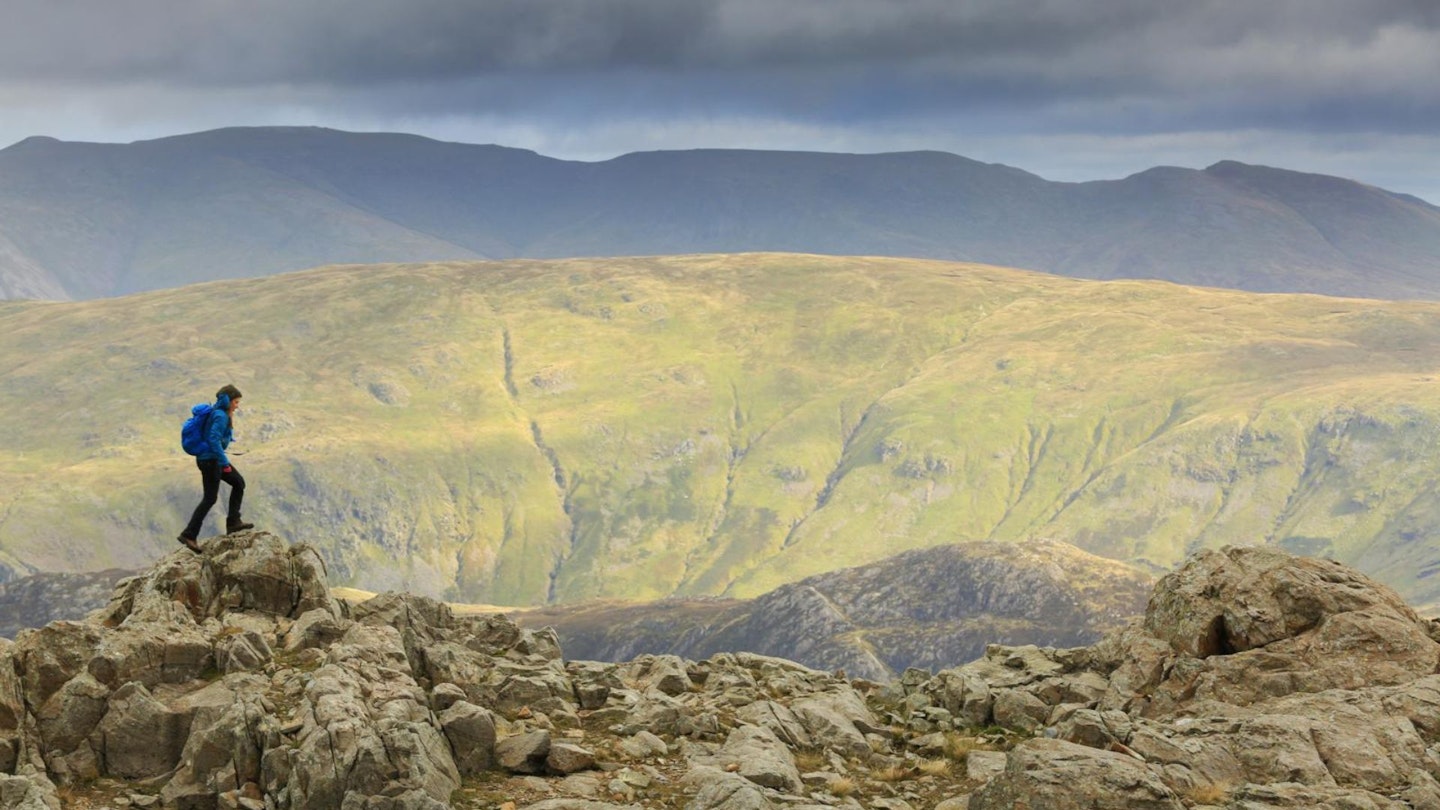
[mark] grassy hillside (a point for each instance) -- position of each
(527, 432)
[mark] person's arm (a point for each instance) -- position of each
(215, 436)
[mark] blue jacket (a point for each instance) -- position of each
(219, 435)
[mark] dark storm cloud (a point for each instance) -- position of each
(1084, 65)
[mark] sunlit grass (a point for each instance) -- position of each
(720, 424)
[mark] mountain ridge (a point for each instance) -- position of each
(928, 608)
(94, 220)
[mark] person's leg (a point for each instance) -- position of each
(210, 481)
(237, 498)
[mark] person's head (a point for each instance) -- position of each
(232, 397)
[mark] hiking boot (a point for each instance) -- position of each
(233, 525)
(188, 542)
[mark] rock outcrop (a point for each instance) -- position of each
(1255, 680)
(233, 679)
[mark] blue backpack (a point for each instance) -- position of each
(192, 433)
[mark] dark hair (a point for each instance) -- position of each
(229, 391)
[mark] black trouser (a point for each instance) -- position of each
(211, 476)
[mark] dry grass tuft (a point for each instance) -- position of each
(958, 746)
(806, 761)
(893, 773)
(1212, 793)
(935, 767)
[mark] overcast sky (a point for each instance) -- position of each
(1068, 89)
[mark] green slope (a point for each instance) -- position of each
(523, 432)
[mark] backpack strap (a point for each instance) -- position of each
(205, 428)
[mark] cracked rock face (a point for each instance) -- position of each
(232, 679)
(1255, 680)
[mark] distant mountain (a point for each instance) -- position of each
(82, 220)
(39, 599)
(930, 608)
(539, 432)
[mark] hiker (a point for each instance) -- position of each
(215, 467)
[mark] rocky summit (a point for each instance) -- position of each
(235, 679)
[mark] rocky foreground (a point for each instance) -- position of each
(234, 679)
